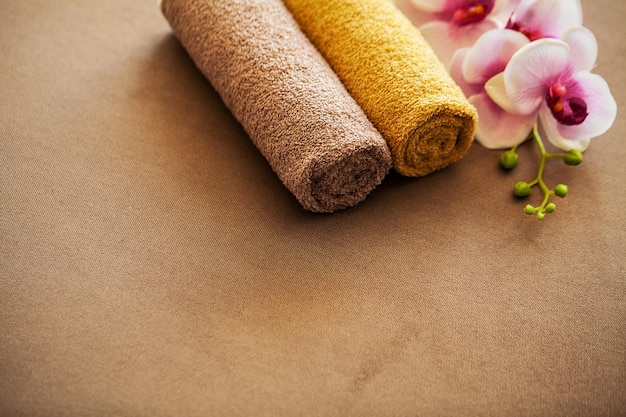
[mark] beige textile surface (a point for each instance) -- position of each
(152, 264)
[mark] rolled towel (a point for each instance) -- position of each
(290, 102)
(396, 78)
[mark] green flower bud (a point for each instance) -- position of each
(521, 189)
(550, 208)
(573, 157)
(508, 160)
(540, 215)
(529, 209)
(561, 190)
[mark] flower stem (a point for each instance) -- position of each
(545, 206)
(509, 160)
(542, 164)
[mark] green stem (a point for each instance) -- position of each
(509, 160)
(547, 192)
(542, 163)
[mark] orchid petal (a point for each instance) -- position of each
(550, 127)
(490, 54)
(503, 11)
(497, 128)
(445, 38)
(496, 90)
(583, 48)
(440, 37)
(549, 17)
(416, 16)
(432, 6)
(601, 106)
(531, 70)
(499, 6)
(456, 72)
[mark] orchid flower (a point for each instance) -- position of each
(539, 19)
(524, 64)
(472, 68)
(449, 25)
(504, 11)
(551, 78)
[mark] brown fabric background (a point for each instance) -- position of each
(151, 263)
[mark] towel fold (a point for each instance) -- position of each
(396, 78)
(290, 102)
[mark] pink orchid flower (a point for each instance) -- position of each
(449, 25)
(551, 78)
(539, 19)
(472, 68)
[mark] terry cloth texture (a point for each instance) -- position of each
(290, 102)
(395, 76)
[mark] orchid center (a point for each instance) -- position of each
(566, 110)
(472, 12)
(531, 34)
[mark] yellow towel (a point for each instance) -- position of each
(395, 77)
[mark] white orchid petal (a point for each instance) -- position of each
(551, 129)
(503, 10)
(570, 14)
(531, 70)
(441, 39)
(498, 129)
(548, 17)
(430, 6)
(583, 48)
(491, 53)
(498, 6)
(417, 16)
(496, 90)
(601, 107)
(445, 38)
(456, 73)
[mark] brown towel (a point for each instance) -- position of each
(395, 77)
(290, 102)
